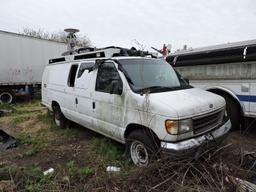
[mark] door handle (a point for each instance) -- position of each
(93, 105)
(76, 101)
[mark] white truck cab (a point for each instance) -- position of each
(136, 100)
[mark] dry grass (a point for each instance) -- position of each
(80, 158)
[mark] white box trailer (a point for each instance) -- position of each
(228, 70)
(22, 61)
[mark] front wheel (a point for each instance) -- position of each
(142, 147)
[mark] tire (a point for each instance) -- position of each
(6, 96)
(59, 119)
(233, 111)
(142, 147)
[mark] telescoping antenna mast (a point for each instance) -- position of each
(71, 38)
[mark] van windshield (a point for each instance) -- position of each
(152, 75)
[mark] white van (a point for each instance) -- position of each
(139, 101)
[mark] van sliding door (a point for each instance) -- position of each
(70, 96)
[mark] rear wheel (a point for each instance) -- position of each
(233, 111)
(6, 96)
(142, 147)
(59, 118)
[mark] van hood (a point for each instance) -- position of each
(186, 103)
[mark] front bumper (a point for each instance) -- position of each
(193, 146)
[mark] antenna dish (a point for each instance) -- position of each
(71, 30)
(71, 37)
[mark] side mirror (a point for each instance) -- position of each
(116, 87)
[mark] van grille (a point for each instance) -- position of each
(207, 122)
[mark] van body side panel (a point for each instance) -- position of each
(253, 97)
(57, 89)
(84, 87)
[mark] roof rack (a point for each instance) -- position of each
(57, 60)
(106, 52)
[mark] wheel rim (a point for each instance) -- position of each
(139, 153)
(5, 97)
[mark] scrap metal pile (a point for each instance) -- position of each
(6, 141)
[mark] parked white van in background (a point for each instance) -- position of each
(136, 100)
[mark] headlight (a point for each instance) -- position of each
(178, 127)
(172, 127)
(185, 126)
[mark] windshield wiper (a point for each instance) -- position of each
(155, 88)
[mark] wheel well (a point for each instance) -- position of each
(132, 127)
(227, 94)
(55, 104)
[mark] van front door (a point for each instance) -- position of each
(108, 106)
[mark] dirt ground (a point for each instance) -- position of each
(43, 145)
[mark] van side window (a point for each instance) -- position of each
(72, 75)
(107, 73)
(83, 67)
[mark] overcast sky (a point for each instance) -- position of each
(151, 22)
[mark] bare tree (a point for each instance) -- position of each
(81, 41)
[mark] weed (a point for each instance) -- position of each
(38, 143)
(29, 178)
(75, 172)
(7, 106)
(27, 105)
(19, 119)
(48, 120)
(106, 149)
(24, 138)
(68, 132)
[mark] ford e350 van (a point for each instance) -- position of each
(136, 100)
